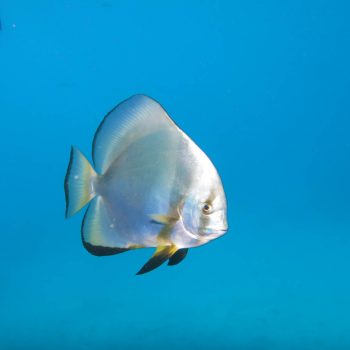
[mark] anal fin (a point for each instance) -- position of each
(99, 232)
(162, 254)
(98, 250)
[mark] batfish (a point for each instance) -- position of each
(150, 185)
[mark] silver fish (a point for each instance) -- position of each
(151, 186)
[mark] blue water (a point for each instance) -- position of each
(263, 87)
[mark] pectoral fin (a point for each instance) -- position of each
(162, 254)
(163, 219)
(178, 257)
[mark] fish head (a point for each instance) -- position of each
(204, 212)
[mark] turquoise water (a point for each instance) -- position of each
(263, 88)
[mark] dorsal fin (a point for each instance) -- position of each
(132, 119)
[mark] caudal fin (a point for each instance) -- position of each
(79, 182)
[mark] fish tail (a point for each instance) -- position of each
(79, 182)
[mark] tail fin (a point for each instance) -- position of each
(78, 183)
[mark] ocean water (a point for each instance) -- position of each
(263, 88)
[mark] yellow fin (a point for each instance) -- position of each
(162, 254)
(163, 219)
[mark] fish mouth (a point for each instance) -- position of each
(214, 232)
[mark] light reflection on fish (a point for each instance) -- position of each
(151, 186)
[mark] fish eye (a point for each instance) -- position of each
(206, 208)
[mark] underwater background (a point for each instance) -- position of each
(263, 88)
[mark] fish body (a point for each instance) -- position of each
(151, 186)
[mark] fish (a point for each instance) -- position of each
(150, 186)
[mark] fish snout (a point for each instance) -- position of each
(214, 232)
